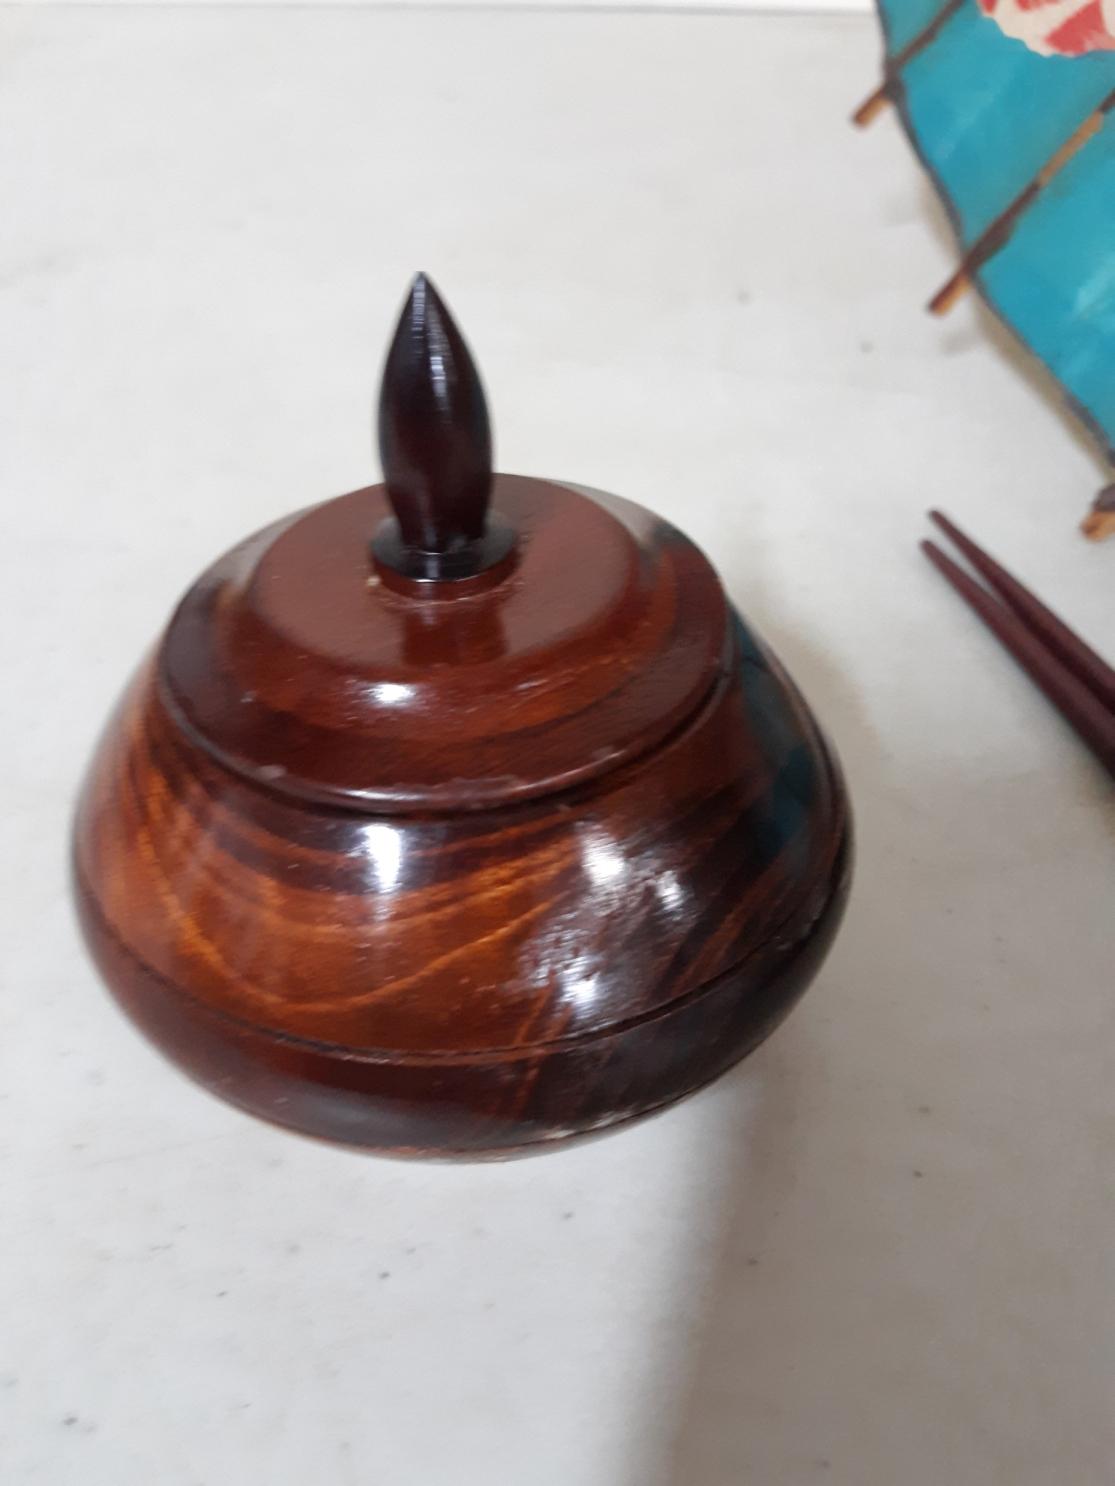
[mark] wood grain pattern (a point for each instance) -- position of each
(490, 832)
(296, 666)
(472, 983)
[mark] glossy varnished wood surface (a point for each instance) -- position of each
(487, 832)
(435, 445)
(468, 983)
(298, 666)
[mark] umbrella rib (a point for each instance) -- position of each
(998, 233)
(1100, 520)
(893, 66)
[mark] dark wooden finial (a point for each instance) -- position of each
(435, 444)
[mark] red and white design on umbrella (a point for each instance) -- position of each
(1056, 28)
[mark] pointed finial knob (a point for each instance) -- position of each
(435, 445)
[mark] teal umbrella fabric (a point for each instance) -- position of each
(1021, 148)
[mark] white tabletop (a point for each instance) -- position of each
(880, 1252)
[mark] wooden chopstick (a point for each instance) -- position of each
(1091, 713)
(1080, 658)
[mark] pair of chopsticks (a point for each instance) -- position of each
(1079, 683)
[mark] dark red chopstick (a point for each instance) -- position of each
(1080, 658)
(1076, 680)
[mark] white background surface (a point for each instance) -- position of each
(708, 6)
(881, 1251)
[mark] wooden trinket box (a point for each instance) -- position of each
(459, 815)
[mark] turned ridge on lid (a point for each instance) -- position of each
(453, 638)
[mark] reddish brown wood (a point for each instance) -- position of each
(1079, 658)
(468, 866)
(467, 983)
(297, 664)
(435, 444)
(1086, 713)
